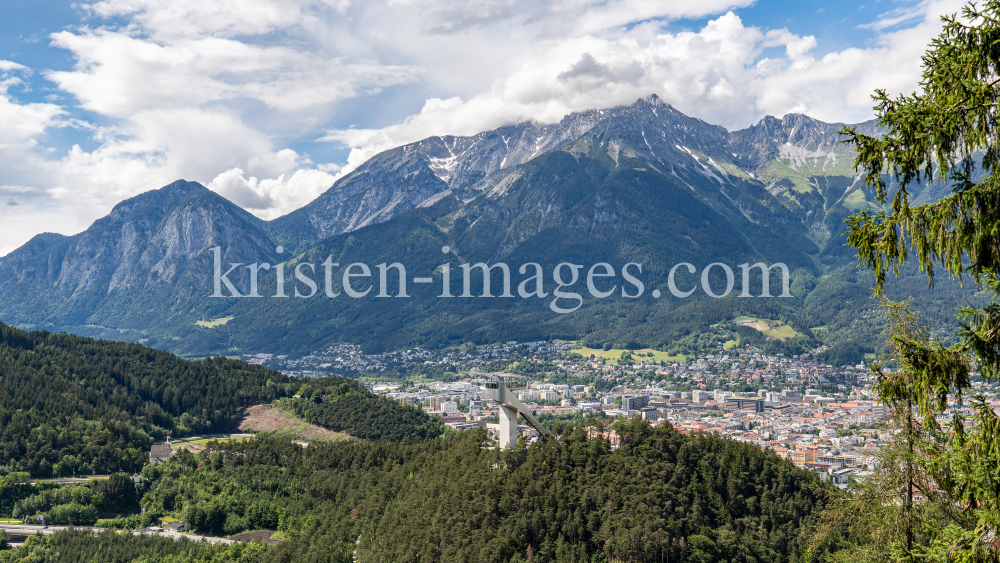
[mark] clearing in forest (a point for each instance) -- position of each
(768, 327)
(269, 418)
(214, 322)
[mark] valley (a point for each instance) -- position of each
(450, 282)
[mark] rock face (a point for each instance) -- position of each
(13, 267)
(638, 183)
(423, 172)
(794, 136)
(158, 238)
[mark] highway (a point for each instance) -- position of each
(17, 532)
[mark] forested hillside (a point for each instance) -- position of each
(69, 403)
(70, 505)
(660, 496)
(343, 405)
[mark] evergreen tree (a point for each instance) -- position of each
(949, 133)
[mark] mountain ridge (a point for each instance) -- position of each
(425, 170)
(642, 183)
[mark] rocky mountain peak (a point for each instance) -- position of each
(152, 238)
(758, 145)
(422, 173)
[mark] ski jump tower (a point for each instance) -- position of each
(498, 388)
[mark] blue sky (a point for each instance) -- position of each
(834, 24)
(268, 102)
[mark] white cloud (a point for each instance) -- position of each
(710, 74)
(155, 148)
(195, 18)
(118, 74)
(603, 16)
(22, 122)
(10, 65)
(20, 215)
(271, 198)
(896, 16)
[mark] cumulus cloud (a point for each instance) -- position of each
(118, 74)
(716, 73)
(22, 122)
(186, 90)
(10, 65)
(267, 197)
(220, 18)
(22, 167)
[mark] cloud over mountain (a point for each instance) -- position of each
(237, 94)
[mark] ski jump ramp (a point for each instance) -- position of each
(498, 388)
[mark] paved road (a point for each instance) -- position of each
(26, 530)
(210, 437)
(66, 480)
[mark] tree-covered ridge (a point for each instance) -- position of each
(69, 403)
(98, 405)
(344, 405)
(572, 498)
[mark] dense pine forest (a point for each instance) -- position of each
(343, 405)
(662, 496)
(76, 405)
(572, 498)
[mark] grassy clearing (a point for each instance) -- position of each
(781, 332)
(768, 327)
(613, 355)
(856, 200)
(208, 440)
(732, 170)
(777, 170)
(280, 419)
(199, 444)
(730, 344)
(214, 322)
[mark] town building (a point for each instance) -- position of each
(160, 453)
